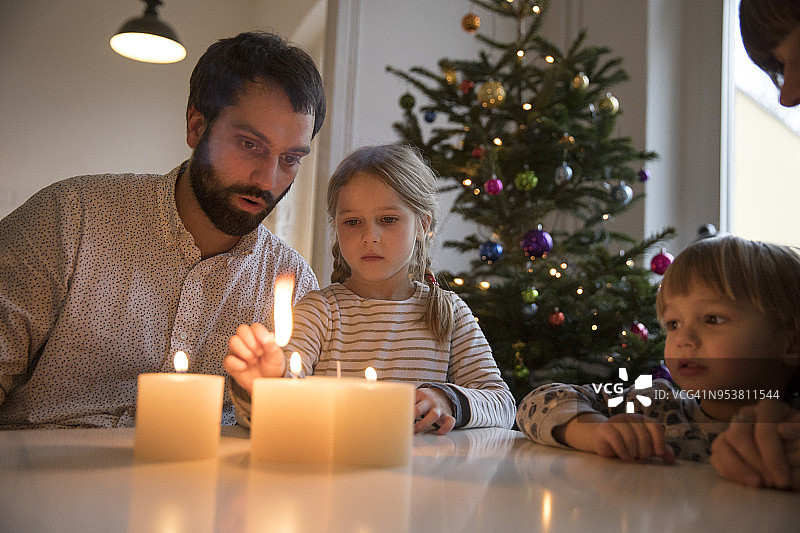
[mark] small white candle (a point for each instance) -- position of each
(374, 422)
(178, 416)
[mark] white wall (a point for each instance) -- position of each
(71, 105)
(684, 115)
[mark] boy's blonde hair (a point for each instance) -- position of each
(765, 275)
(402, 168)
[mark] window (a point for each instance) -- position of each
(764, 187)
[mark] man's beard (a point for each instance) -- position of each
(216, 201)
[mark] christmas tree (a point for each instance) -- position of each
(525, 132)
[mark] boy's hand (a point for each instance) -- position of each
(630, 437)
(253, 354)
(760, 447)
(433, 409)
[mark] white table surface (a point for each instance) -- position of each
(86, 480)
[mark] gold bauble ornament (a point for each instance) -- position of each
(471, 22)
(449, 71)
(609, 104)
(491, 94)
(580, 81)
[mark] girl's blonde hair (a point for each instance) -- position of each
(402, 168)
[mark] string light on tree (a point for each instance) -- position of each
(450, 76)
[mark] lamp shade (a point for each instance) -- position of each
(148, 39)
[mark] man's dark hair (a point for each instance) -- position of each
(764, 25)
(261, 57)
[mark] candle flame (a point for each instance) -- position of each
(282, 316)
(370, 374)
(181, 361)
(295, 364)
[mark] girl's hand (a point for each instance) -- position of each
(433, 409)
(630, 437)
(253, 354)
(760, 447)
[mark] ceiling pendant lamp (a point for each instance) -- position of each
(148, 39)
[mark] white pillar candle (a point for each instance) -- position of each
(178, 416)
(292, 419)
(374, 423)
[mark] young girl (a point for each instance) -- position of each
(385, 308)
(731, 310)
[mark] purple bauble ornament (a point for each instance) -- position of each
(660, 371)
(660, 262)
(536, 243)
(644, 175)
(494, 186)
(640, 330)
(490, 251)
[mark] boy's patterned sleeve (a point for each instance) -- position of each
(553, 405)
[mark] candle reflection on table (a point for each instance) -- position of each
(355, 499)
(175, 497)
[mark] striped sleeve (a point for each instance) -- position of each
(474, 373)
(312, 322)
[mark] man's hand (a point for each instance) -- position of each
(760, 447)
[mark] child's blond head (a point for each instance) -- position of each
(764, 275)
